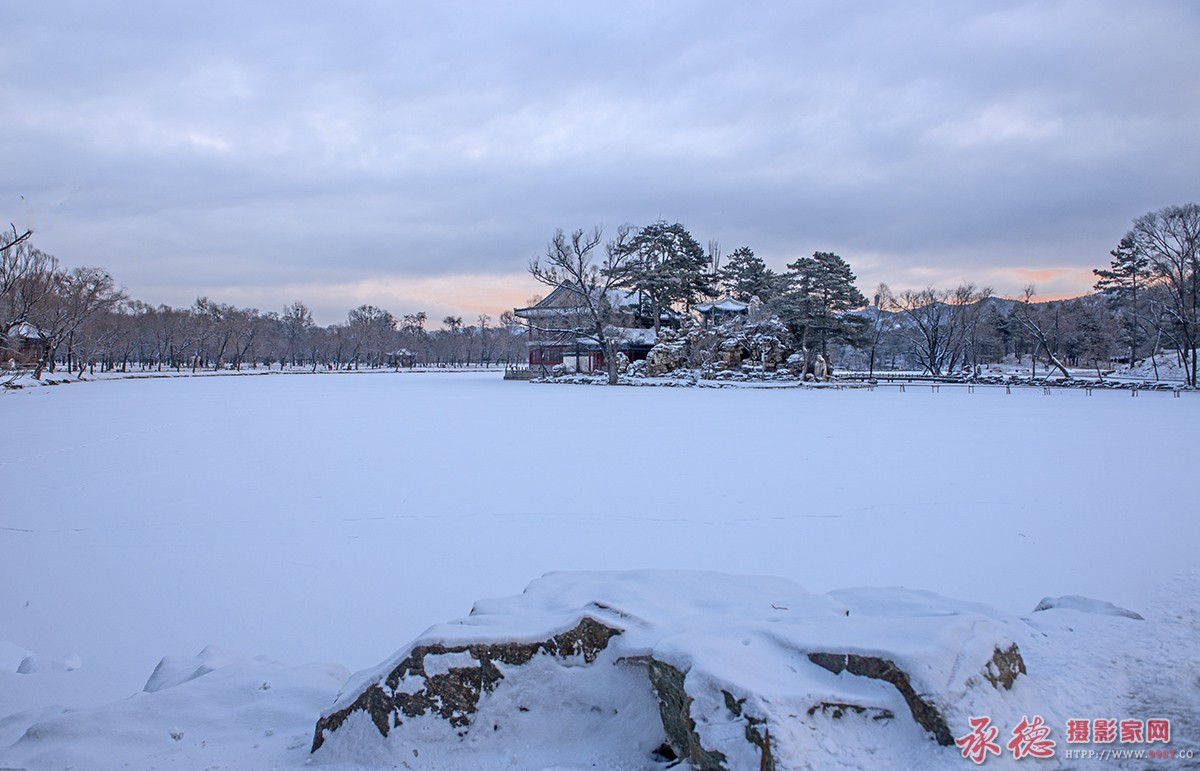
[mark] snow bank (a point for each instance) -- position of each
(698, 664)
(739, 671)
(227, 711)
(12, 656)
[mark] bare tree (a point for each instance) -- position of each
(28, 280)
(246, 324)
(297, 325)
(485, 347)
(371, 330)
(575, 262)
(1033, 322)
(15, 239)
(78, 294)
(413, 336)
(452, 348)
(968, 304)
(942, 325)
(1170, 240)
(320, 347)
(512, 337)
(106, 339)
(880, 320)
(216, 332)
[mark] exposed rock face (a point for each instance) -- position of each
(1004, 667)
(668, 354)
(926, 715)
(762, 342)
(730, 352)
(741, 672)
(675, 706)
(449, 680)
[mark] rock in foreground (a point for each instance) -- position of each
(729, 672)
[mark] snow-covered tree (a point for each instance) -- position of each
(942, 326)
(745, 275)
(1169, 239)
(820, 292)
(595, 270)
(668, 267)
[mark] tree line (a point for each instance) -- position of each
(79, 320)
(1146, 301)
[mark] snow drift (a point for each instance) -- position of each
(727, 672)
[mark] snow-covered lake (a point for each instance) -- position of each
(332, 518)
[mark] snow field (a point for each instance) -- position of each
(334, 517)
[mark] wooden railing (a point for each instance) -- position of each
(525, 371)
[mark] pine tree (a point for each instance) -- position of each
(815, 306)
(668, 266)
(1128, 275)
(746, 276)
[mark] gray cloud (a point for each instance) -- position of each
(262, 148)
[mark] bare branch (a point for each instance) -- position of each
(16, 238)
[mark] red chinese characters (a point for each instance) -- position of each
(1132, 731)
(1104, 731)
(1158, 730)
(981, 741)
(1031, 738)
(1079, 731)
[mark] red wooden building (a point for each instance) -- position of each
(557, 330)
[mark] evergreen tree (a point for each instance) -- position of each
(1128, 274)
(667, 266)
(746, 276)
(821, 291)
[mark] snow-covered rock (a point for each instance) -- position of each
(726, 671)
(669, 353)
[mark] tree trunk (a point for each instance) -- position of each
(1057, 364)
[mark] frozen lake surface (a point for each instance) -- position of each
(332, 518)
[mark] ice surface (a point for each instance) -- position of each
(333, 517)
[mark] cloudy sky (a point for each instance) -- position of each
(415, 155)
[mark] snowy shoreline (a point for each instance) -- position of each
(687, 379)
